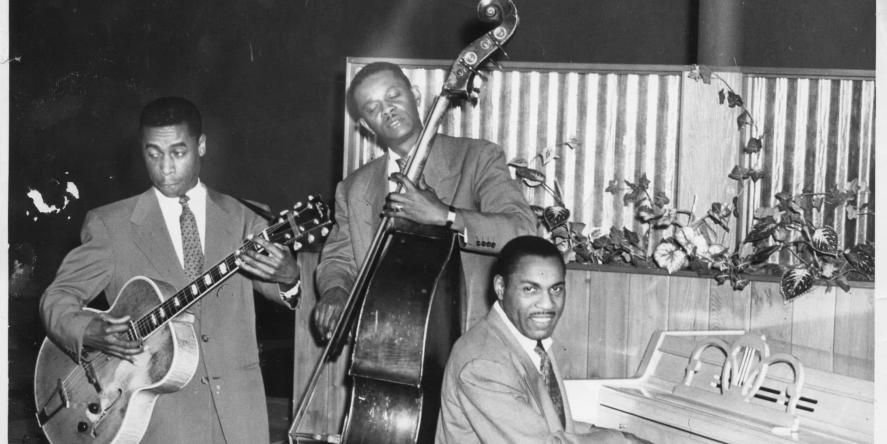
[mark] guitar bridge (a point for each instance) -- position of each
(53, 405)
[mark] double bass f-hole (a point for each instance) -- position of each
(395, 388)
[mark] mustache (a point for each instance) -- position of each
(543, 313)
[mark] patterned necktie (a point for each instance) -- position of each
(401, 163)
(551, 382)
(191, 249)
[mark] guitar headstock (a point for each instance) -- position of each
(500, 12)
(307, 223)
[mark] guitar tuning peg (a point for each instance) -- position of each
(283, 212)
(310, 197)
(298, 205)
(297, 246)
(324, 231)
(310, 238)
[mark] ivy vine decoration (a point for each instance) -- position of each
(786, 230)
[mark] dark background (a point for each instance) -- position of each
(268, 77)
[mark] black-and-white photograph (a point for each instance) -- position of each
(442, 221)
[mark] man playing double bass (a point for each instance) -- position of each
(465, 186)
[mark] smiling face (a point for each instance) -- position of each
(532, 295)
(172, 156)
(388, 107)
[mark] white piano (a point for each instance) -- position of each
(726, 386)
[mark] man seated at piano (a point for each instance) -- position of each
(501, 384)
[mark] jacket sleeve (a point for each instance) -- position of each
(84, 273)
(495, 401)
(502, 212)
(337, 267)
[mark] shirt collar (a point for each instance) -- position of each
(527, 344)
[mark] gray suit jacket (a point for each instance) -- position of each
(469, 174)
(493, 393)
(129, 238)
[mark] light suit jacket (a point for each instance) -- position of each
(469, 174)
(493, 393)
(129, 238)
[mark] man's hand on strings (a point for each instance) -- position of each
(276, 264)
(105, 334)
(419, 204)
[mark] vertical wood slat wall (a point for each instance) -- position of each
(818, 134)
(611, 316)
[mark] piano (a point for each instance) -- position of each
(726, 387)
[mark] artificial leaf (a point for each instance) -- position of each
(531, 178)
(670, 257)
(765, 212)
(537, 210)
(753, 146)
(643, 182)
(631, 236)
(721, 96)
(739, 284)
(743, 119)
(827, 270)
(763, 254)
(852, 212)
(691, 239)
(645, 213)
(736, 206)
(757, 174)
(862, 258)
(560, 232)
(721, 278)
(746, 249)
(573, 143)
(518, 162)
(817, 203)
(577, 228)
(739, 173)
(660, 199)
(733, 99)
(795, 282)
(636, 196)
(613, 187)
(555, 216)
(824, 239)
(761, 230)
(548, 154)
(700, 72)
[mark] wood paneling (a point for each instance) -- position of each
(854, 325)
(571, 345)
(647, 312)
(607, 323)
(813, 328)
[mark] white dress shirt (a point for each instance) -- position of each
(172, 209)
(529, 345)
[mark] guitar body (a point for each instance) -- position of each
(117, 407)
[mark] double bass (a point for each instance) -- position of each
(407, 291)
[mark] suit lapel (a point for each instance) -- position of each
(534, 381)
(221, 227)
(150, 235)
(376, 189)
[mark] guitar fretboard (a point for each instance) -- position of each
(187, 296)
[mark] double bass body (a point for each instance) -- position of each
(407, 325)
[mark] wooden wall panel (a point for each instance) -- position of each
(688, 303)
(729, 309)
(813, 328)
(571, 336)
(854, 341)
(770, 316)
(608, 325)
(647, 313)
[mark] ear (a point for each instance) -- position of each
(363, 124)
(201, 145)
(499, 286)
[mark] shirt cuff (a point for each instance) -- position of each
(291, 294)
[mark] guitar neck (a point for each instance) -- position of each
(188, 296)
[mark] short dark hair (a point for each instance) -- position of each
(523, 246)
(167, 111)
(365, 72)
